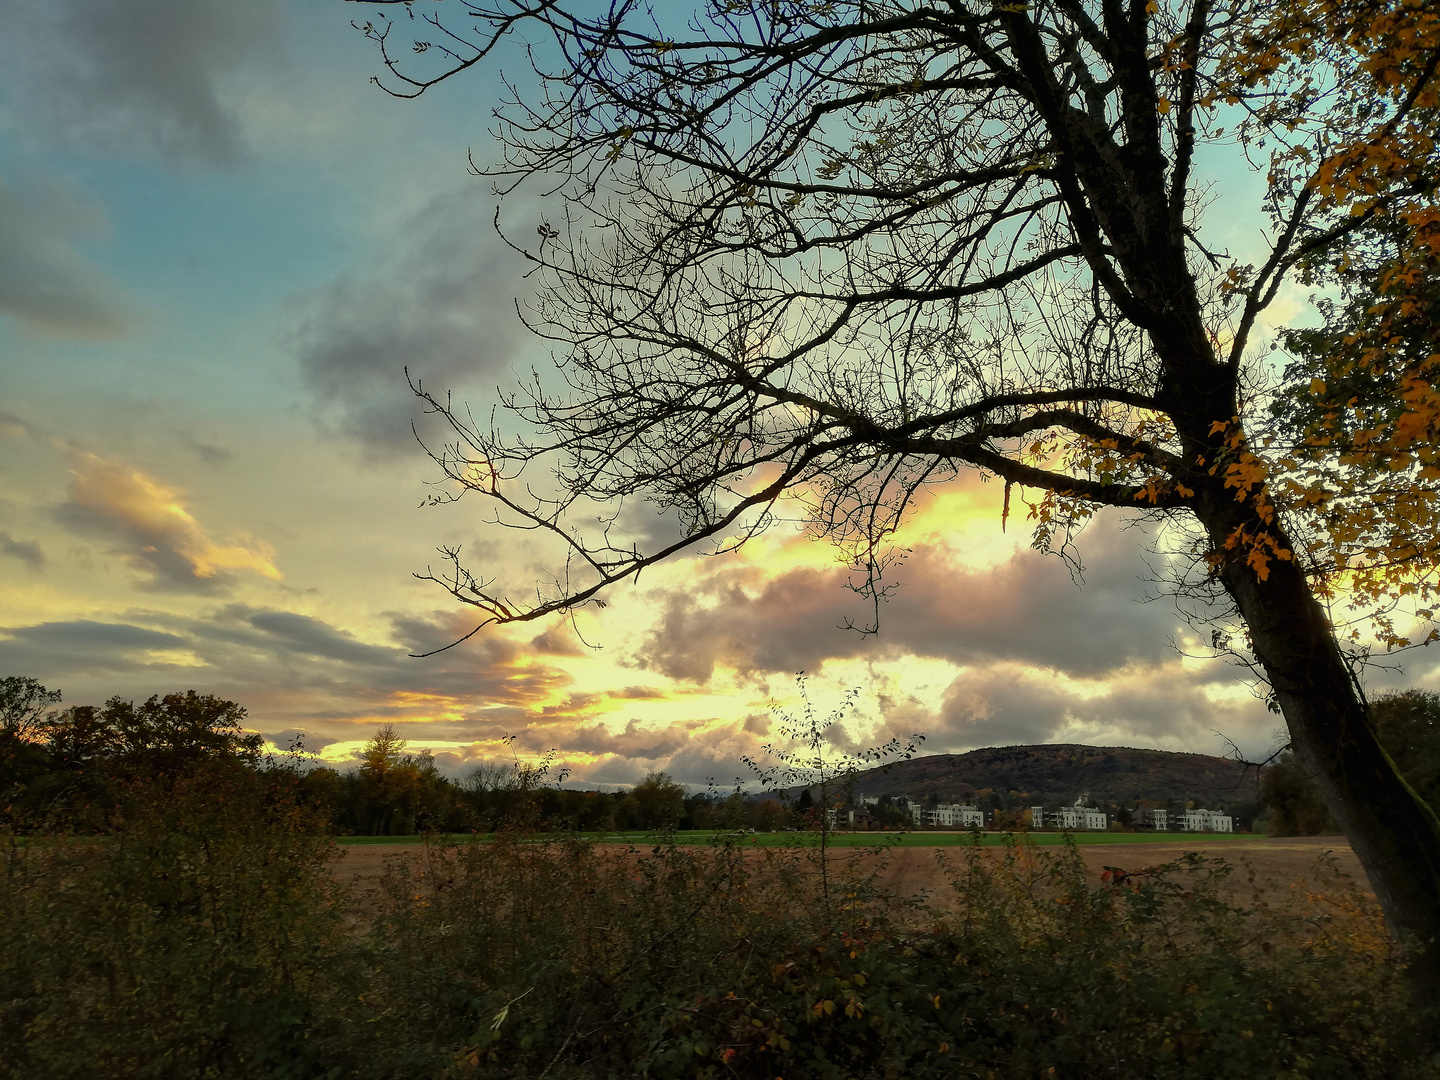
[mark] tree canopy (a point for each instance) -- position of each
(841, 251)
(23, 705)
(838, 252)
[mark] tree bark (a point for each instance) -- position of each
(1394, 832)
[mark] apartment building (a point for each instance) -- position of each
(1077, 818)
(1206, 821)
(955, 816)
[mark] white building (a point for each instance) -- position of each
(954, 815)
(1077, 818)
(1207, 821)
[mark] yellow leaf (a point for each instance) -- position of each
(1164, 106)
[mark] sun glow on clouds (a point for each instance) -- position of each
(984, 643)
(152, 516)
(364, 265)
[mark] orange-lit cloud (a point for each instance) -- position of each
(159, 534)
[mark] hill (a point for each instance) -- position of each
(1061, 773)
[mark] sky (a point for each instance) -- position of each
(220, 248)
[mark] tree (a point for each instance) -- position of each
(1408, 724)
(767, 815)
(81, 735)
(177, 732)
(399, 793)
(1296, 808)
(384, 753)
(23, 705)
(658, 800)
(1360, 419)
(837, 252)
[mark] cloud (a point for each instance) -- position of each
(145, 75)
(297, 740)
(443, 308)
(1027, 609)
(46, 284)
(1162, 705)
(291, 657)
(311, 637)
(557, 641)
(155, 533)
(209, 453)
(12, 427)
(294, 671)
(27, 551)
(59, 650)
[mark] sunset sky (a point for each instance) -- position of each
(219, 247)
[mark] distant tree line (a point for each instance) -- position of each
(392, 792)
(83, 767)
(80, 766)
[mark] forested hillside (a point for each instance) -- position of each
(1026, 775)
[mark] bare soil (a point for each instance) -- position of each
(1280, 865)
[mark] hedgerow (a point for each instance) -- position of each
(205, 939)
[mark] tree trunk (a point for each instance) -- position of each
(1394, 832)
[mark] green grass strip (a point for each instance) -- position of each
(791, 839)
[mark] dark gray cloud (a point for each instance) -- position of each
(651, 531)
(1027, 609)
(1156, 706)
(46, 283)
(144, 76)
(27, 551)
(635, 740)
(443, 307)
(287, 666)
(55, 652)
(311, 637)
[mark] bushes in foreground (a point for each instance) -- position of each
(563, 960)
(198, 942)
(203, 936)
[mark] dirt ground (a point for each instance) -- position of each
(1279, 864)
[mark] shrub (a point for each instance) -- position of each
(567, 959)
(202, 938)
(206, 939)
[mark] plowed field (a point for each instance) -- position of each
(1280, 865)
